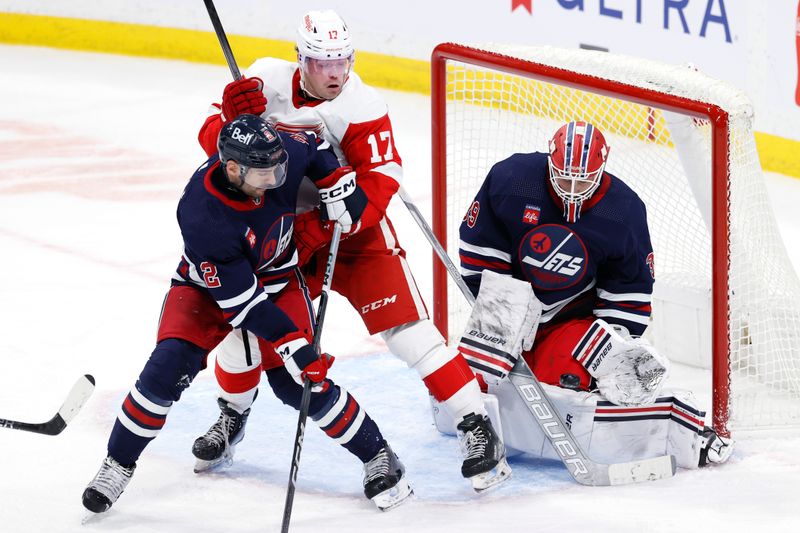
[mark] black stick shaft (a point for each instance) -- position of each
(223, 39)
(306, 398)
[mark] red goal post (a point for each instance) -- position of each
(486, 100)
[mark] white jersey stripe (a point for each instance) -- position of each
(241, 298)
(551, 310)
(615, 313)
(466, 272)
(286, 264)
(236, 322)
(624, 297)
(392, 170)
(193, 275)
(482, 250)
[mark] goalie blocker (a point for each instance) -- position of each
(632, 418)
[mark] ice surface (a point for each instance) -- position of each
(94, 152)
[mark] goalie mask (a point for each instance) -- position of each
(325, 53)
(578, 153)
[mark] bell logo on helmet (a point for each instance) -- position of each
(242, 138)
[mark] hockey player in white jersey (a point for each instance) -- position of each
(558, 252)
(321, 93)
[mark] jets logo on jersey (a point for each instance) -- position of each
(472, 214)
(651, 264)
(553, 257)
(531, 214)
(277, 241)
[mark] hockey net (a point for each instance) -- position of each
(726, 296)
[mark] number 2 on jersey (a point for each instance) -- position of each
(385, 139)
(210, 275)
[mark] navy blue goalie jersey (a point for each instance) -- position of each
(601, 265)
(239, 248)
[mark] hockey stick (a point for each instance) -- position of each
(306, 399)
(580, 466)
(75, 399)
(223, 39)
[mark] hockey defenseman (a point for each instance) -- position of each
(320, 93)
(239, 270)
(555, 236)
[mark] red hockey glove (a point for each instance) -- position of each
(310, 235)
(243, 96)
(301, 360)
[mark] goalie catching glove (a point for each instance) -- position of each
(302, 361)
(503, 323)
(628, 371)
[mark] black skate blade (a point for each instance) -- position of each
(492, 478)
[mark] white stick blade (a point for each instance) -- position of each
(80, 392)
(644, 470)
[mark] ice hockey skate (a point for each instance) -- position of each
(716, 449)
(385, 480)
(107, 485)
(216, 447)
(485, 462)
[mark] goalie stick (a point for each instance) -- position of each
(580, 466)
(77, 397)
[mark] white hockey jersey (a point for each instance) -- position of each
(356, 123)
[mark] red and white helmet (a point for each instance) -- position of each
(578, 154)
(323, 35)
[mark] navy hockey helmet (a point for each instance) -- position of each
(253, 143)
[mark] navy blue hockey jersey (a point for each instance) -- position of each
(601, 265)
(240, 248)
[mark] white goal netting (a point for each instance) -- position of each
(666, 157)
